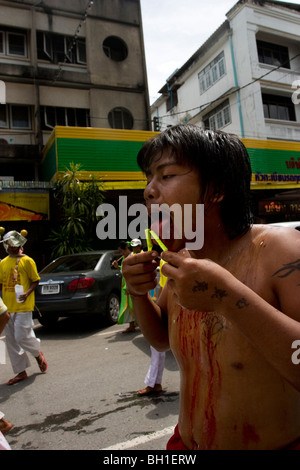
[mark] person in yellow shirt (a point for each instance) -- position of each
(18, 270)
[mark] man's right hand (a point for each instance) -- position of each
(139, 272)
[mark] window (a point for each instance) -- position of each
(1, 42)
(4, 122)
(81, 52)
(59, 48)
(273, 54)
(120, 118)
(212, 73)
(115, 48)
(73, 263)
(58, 116)
(19, 117)
(278, 107)
(172, 99)
(219, 117)
(13, 43)
(15, 116)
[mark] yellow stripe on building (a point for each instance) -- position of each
(102, 134)
(271, 144)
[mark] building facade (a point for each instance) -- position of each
(73, 63)
(79, 64)
(245, 79)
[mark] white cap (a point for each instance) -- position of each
(14, 239)
(136, 242)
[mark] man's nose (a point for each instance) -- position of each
(151, 191)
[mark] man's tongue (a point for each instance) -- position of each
(163, 228)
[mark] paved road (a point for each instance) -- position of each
(87, 400)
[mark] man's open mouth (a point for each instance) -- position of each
(162, 223)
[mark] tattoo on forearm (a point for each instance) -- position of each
(200, 286)
(241, 303)
(288, 269)
(219, 294)
(203, 286)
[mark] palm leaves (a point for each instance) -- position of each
(78, 201)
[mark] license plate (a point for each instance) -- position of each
(50, 289)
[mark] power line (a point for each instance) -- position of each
(229, 93)
(73, 42)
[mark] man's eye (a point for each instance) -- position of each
(167, 176)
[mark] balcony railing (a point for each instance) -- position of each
(25, 184)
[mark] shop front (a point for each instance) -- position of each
(275, 181)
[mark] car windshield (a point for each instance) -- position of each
(86, 262)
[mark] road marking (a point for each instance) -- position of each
(142, 439)
(108, 332)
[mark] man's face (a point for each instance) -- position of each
(123, 252)
(171, 183)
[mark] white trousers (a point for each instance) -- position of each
(4, 445)
(20, 338)
(156, 369)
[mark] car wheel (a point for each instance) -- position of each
(112, 309)
(48, 320)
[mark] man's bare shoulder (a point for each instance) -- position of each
(281, 262)
(271, 237)
(279, 246)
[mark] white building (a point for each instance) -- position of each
(243, 79)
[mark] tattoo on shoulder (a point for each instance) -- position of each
(288, 269)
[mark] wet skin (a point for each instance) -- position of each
(231, 320)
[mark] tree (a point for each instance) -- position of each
(78, 201)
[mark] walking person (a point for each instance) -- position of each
(18, 270)
(153, 379)
(126, 314)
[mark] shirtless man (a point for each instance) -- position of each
(230, 310)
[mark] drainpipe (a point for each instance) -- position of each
(171, 94)
(237, 85)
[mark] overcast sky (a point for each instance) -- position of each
(174, 30)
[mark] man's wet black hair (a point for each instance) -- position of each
(222, 162)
